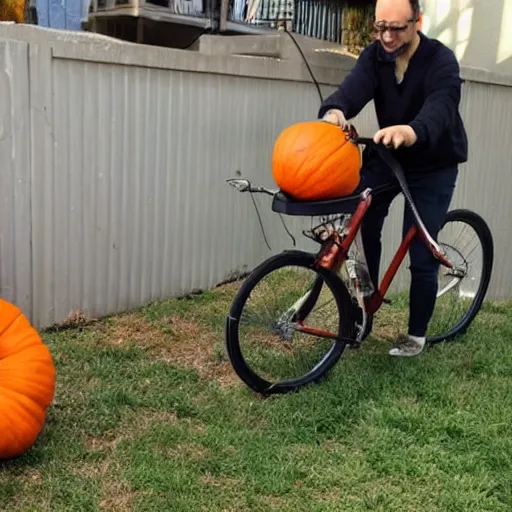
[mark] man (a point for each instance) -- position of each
(416, 87)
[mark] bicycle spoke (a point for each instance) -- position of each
(456, 294)
(272, 343)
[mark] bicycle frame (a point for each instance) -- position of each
(334, 256)
(334, 251)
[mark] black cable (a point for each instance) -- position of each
(307, 65)
(287, 230)
(321, 101)
(202, 33)
(261, 223)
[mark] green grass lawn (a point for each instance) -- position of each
(148, 415)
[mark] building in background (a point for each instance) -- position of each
(62, 14)
(478, 31)
(320, 19)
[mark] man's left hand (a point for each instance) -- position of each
(396, 136)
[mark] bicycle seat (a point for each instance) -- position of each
(283, 203)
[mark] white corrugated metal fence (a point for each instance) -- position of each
(114, 160)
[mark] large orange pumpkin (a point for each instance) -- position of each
(27, 382)
(315, 160)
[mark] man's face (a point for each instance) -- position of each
(394, 25)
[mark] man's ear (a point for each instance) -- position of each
(420, 21)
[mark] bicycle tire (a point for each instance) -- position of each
(232, 341)
(485, 236)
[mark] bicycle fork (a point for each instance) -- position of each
(330, 257)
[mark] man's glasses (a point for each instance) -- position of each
(379, 27)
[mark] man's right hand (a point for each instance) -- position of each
(335, 116)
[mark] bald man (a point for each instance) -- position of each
(415, 84)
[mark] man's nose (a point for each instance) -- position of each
(386, 36)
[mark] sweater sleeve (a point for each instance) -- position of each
(356, 90)
(442, 98)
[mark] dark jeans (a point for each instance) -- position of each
(432, 193)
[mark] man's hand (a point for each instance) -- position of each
(396, 136)
(335, 116)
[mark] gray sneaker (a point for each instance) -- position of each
(406, 347)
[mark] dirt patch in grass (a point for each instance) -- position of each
(99, 444)
(116, 496)
(75, 319)
(176, 340)
(189, 451)
(331, 446)
(97, 469)
(147, 417)
(134, 425)
(389, 323)
(196, 346)
(24, 473)
(133, 329)
(270, 502)
(408, 402)
(328, 496)
(115, 492)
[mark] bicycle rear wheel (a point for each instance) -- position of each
(268, 348)
(467, 242)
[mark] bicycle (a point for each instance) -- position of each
(338, 269)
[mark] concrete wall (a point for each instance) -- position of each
(116, 157)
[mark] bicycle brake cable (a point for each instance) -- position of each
(400, 176)
(259, 220)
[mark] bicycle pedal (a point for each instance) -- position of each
(354, 344)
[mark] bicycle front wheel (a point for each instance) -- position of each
(467, 242)
(271, 346)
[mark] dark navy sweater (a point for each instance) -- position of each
(427, 99)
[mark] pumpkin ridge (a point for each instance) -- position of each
(19, 337)
(14, 394)
(26, 343)
(308, 178)
(325, 161)
(4, 328)
(346, 152)
(41, 392)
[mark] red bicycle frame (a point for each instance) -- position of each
(334, 252)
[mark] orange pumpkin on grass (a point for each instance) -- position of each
(314, 160)
(27, 382)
